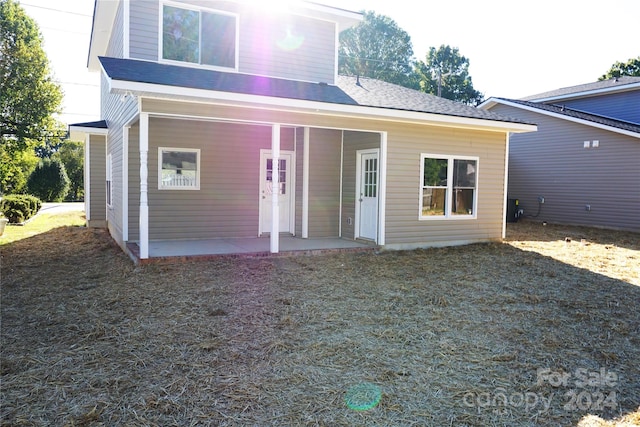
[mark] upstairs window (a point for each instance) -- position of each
(448, 187)
(197, 36)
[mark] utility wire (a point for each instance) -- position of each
(56, 10)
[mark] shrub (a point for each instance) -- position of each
(19, 207)
(49, 181)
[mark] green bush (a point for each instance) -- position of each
(49, 181)
(19, 207)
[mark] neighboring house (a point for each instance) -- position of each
(249, 132)
(584, 161)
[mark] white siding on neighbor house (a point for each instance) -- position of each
(308, 54)
(554, 163)
(622, 106)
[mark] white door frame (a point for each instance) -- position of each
(359, 154)
(264, 153)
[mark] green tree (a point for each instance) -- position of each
(71, 155)
(49, 181)
(619, 69)
(15, 168)
(445, 73)
(377, 48)
(28, 95)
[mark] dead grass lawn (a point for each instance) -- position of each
(482, 335)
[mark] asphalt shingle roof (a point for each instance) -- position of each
(347, 91)
(100, 124)
(594, 118)
(568, 91)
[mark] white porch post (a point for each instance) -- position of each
(305, 185)
(382, 190)
(275, 180)
(144, 172)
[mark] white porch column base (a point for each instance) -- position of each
(275, 180)
(144, 172)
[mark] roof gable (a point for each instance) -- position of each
(562, 112)
(618, 84)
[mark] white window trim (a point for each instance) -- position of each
(109, 189)
(161, 58)
(189, 150)
(449, 202)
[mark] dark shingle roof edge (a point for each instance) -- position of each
(576, 114)
(99, 124)
(609, 85)
(368, 93)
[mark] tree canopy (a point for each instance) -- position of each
(619, 69)
(28, 95)
(377, 48)
(445, 73)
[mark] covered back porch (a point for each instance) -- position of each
(258, 187)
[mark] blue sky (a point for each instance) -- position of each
(516, 48)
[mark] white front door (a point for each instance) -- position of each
(284, 189)
(367, 194)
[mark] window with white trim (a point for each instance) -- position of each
(178, 168)
(449, 186)
(198, 36)
(109, 191)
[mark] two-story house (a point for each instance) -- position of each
(581, 167)
(226, 128)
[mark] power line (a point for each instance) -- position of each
(56, 10)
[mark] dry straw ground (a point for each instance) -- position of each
(537, 331)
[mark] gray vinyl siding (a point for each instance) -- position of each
(324, 182)
(258, 49)
(143, 29)
(115, 48)
(227, 204)
(260, 54)
(353, 141)
(97, 180)
(621, 106)
(553, 163)
(117, 111)
(134, 182)
(405, 145)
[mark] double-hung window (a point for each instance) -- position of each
(199, 36)
(448, 186)
(178, 169)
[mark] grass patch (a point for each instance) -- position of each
(90, 339)
(41, 223)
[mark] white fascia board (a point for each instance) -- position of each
(104, 14)
(562, 117)
(78, 133)
(587, 93)
(323, 108)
